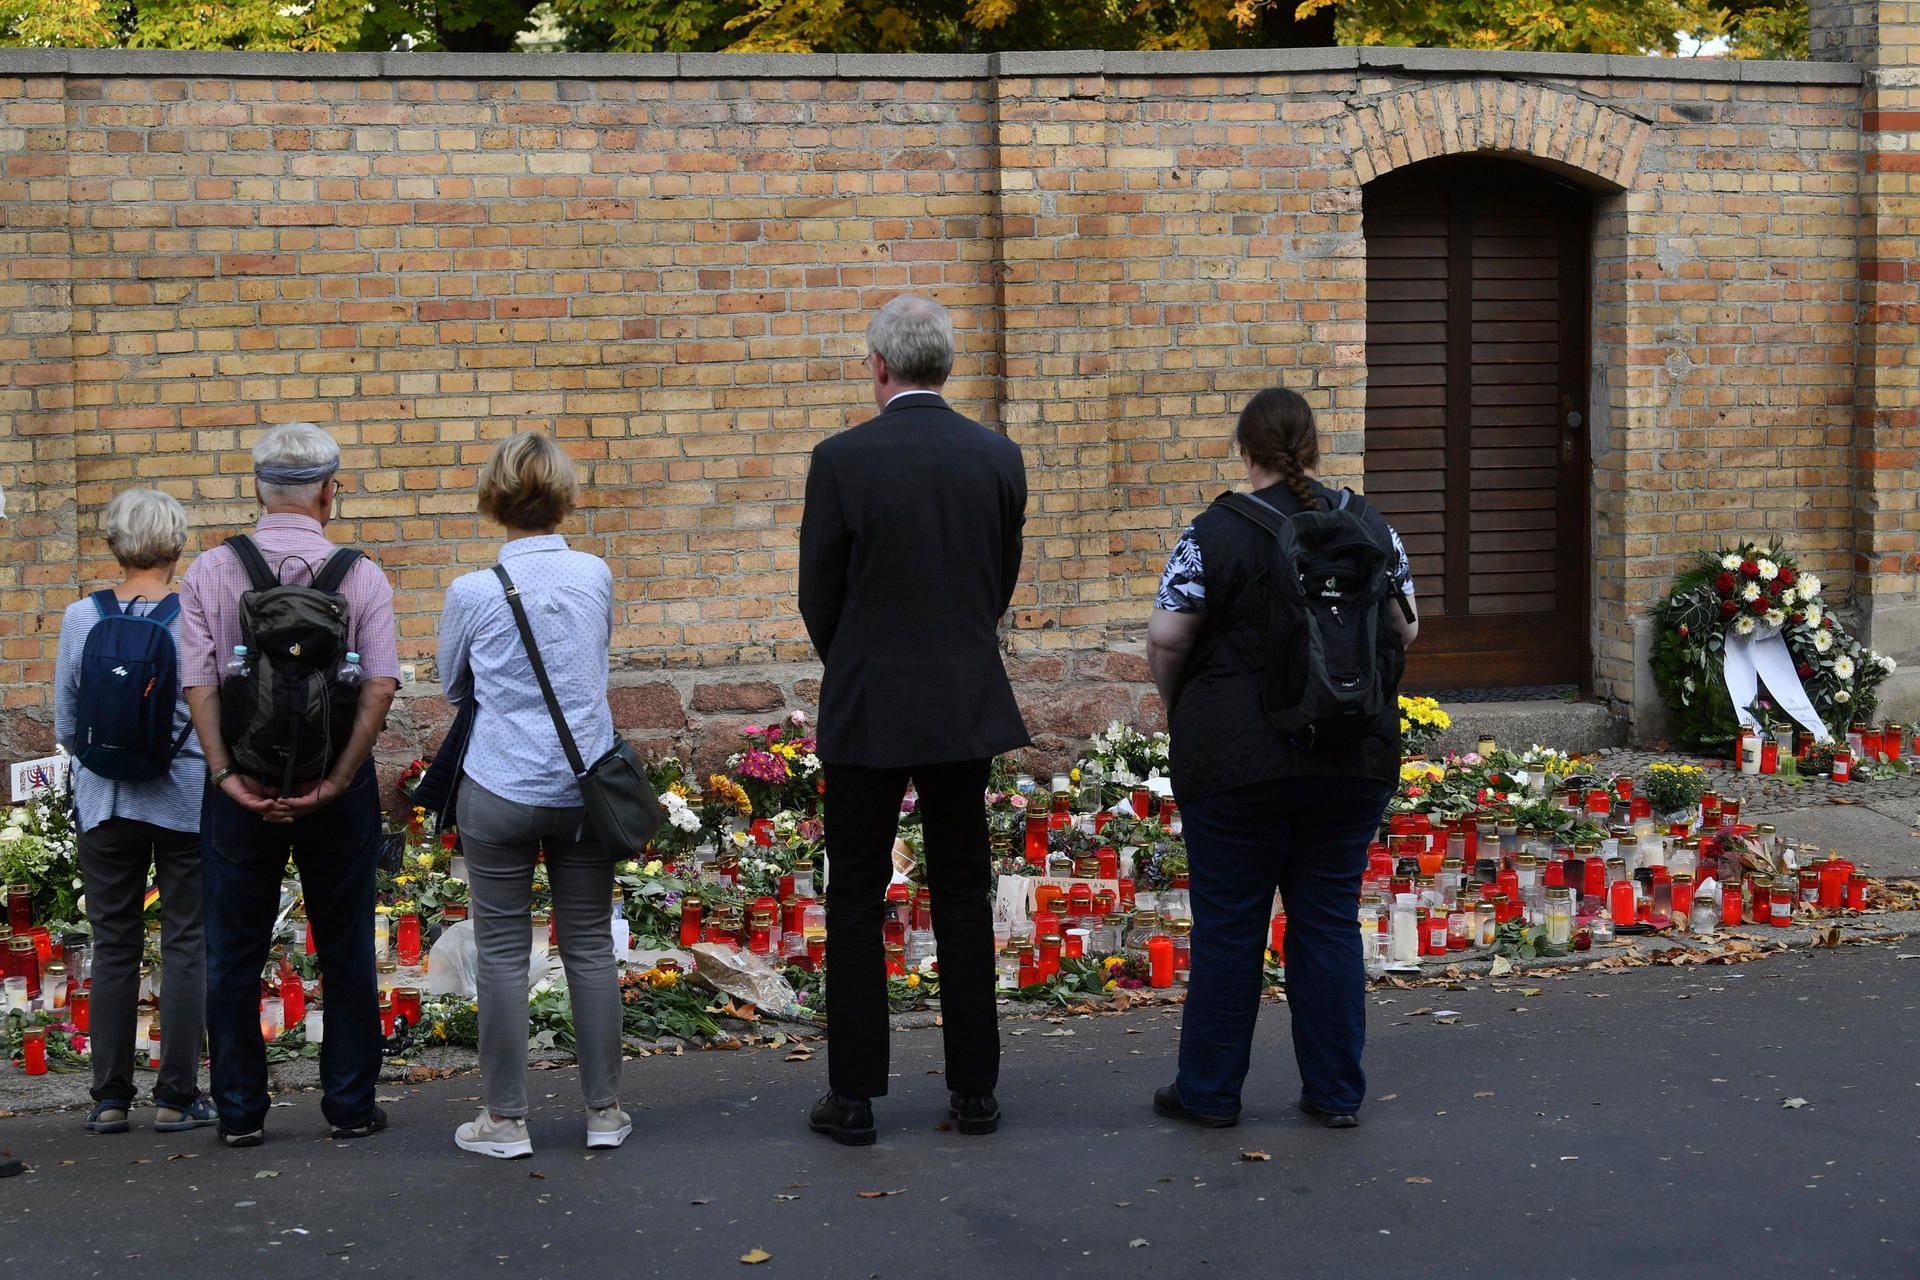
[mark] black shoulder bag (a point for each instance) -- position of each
(622, 811)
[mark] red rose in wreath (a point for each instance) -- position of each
(1786, 576)
(1773, 588)
(1683, 630)
(1796, 618)
(1724, 584)
(1760, 606)
(1749, 569)
(1805, 670)
(1729, 607)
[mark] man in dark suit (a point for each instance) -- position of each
(909, 551)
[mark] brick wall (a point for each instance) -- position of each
(669, 262)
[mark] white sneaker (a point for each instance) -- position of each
(501, 1139)
(607, 1126)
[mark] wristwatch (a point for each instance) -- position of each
(219, 776)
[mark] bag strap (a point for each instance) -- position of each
(540, 672)
(106, 602)
(166, 610)
(335, 570)
(258, 573)
(1256, 509)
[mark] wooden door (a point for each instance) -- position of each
(1475, 441)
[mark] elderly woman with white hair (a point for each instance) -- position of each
(137, 779)
(327, 816)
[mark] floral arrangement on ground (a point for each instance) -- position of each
(1747, 590)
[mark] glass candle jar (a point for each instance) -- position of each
(1833, 875)
(1142, 800)
(80, 1008)
(1459, 926)
(1857, 891)
(1007, 969)
(1780, 897)
(407, 939)
(690, 914)
(33, 1051)
(20, 907)
(1181, 932)
(1486, 923)
(1559, 917)
(1037, 831)
(406, 1004)
(1704, 913)
(23, 962)
(386, 976)
(541, 932)
(1160, 960)
(1434, 937)
(53, 984)
(382, 927)
(1403, 931)
(1620, 904)
(1680, 893)
(1732, 902)
(316, 1024)
(813, 925)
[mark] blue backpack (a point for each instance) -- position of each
(129, 685)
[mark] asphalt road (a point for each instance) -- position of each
(1624, 1124)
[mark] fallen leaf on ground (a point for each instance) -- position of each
(1255, 1155)
(1501, 967)
(1064, 1031)
(755, 1257)
(699, 1202)
(538, 1177)
(1448, 1020)
(1421, 1012)
(1421, 1182)
(1564, 1159)
(1793, 1104)
(1122, 1204)
(786, 1197)
(266, 1173)
(1483, 1093)
(881, 1195)
(178, 1155)
(1138, 1243)
(1386, 1097)
(1530, 991)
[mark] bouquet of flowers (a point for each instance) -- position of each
(1421, 724)
(1752, 591)
(1673, 788)
(776, 765)
(1124, 756)
(39, 846)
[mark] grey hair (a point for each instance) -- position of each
(145, 529)
(914, 336)
(295, 444)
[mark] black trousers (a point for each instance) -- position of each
(863, 816)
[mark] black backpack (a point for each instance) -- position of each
(286, 721)
(1332, 661)
(129, 687)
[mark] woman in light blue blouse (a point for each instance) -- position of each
(518, 794)
(127, 827)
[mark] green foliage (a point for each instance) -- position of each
(313, 26)
(1568, 26)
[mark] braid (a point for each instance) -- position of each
(1289, 468)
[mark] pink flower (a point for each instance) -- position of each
(1472, 757)
(798, 717)
(1017, 800)
(753, 731)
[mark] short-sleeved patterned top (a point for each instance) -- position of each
(1183, 585)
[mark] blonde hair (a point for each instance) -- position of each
(145, 529)
(528, 483)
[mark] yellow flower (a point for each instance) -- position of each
(652, 868)
(1111, 984)
(1074, 774)
(403, 879)
(439, 1031)
(425, 859)
(1114, 962)
(913, 980)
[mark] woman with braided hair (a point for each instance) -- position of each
(1265, 809)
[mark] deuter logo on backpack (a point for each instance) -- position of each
(1333, 665)
(129, 689)
(288, 697)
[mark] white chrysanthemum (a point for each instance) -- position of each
(1768, 570)
(1843, 667)
(1887, 664)
(810, 763)
(1822, 640)
(10, 833)
(1788, 597)
(17, 818)
(1730, 561)
(1809, 586)
(1842, 696)
(1775, 617)
(1814, 614)
(1750, 592)
(1743, 625)
(1687, 684)
(684, 819)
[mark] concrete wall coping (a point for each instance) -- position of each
(826, 66)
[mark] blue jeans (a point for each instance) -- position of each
(1307, 837)
(243, 862)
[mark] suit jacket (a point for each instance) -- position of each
(909, 550)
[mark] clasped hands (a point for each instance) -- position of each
(273, 804)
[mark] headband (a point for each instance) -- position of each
(274, 473)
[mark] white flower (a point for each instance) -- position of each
(1843, 667)
(1814, 611)
(1788, 596)
(684, 819)
(1809, 586)
(1122, 776)
(1750, 592)
(1887, 664)
(10, 833)
(630, 867)
(17, 818)
(1822, 640)
(1768, 570)
(799, 717)
(810, 762)
(1743, 625)
(1687, 684)
(1842, 696)
(1730, 561)
(1775, 617)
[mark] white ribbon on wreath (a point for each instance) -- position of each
(1761, 656)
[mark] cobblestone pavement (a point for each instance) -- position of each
(1762, 793)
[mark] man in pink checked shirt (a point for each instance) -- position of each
(248, 825)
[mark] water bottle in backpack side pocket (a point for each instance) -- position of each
(239, 666)
(349, 676)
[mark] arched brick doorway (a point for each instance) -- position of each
(1476, 448)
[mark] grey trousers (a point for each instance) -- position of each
(500, 839)
(114, 857)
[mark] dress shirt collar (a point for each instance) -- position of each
(917, 391)
(292, 520)
(534, 545)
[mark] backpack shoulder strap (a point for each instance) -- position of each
(243, 548)
(1262, 513)
(335, 570)
(106, 602)
(166, 610)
